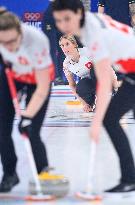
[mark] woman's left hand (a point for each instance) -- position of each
(87, 107)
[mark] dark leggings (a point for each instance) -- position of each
(7, 150)
(86, 89)
(120, 104)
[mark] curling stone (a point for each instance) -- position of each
(56, 185)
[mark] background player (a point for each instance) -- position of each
(79, 62)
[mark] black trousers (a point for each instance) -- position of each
(7, 112)
(120, 104)
(86, 88)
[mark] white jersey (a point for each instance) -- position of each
(107, 38)
(80, 68)
(33, 54)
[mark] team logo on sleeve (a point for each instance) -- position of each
(88, 65)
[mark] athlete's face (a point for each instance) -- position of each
(67, 21)
(67, 47)
(10, 39)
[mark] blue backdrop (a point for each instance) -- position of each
(94, 5)
(21, 6)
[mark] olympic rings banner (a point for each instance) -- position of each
(30, 11)
(33, 19)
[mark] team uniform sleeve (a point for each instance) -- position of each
(98, 49)
(101, 3)
(41, 55)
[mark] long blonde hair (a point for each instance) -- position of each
(70, 38)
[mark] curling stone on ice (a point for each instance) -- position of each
(56, 185)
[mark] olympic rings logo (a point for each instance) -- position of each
(30, 16)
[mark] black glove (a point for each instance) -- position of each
(24, 125)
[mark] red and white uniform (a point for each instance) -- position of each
(33, 54)
(80, 68)
(107, 38)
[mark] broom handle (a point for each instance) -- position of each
(92, 161)
(13, 92)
